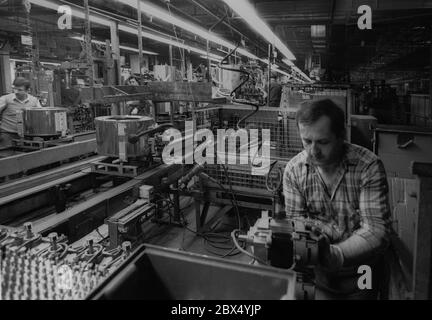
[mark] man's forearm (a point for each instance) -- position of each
(357, 248)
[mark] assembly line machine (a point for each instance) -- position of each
(61, 191)
(75, 208)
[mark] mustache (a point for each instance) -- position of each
(315, 156)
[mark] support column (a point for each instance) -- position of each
(430, 73)
(140, 46)
(5, 72)
(269, 73)
(115, 45)
(88, 45)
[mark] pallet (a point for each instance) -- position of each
(37, 145)
(120, 169)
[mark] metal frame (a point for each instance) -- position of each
(156, 91)
(24, 162)
(422, 282)
(103, 204)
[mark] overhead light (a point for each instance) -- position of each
(42, 62)
(121, 47)
(288, 62)
(166, 16)
(212, 58)
(137, 50)
(302, 74)
(318, 31)
(244, 9)
(296, 69)
(283, 72)
(158, 38)
(79, 13)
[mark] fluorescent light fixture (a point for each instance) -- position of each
(287, 62)
(79, 12)
(296, 69)
(245, 10)
(121, 47)
(212, 58)
(237, 5)
(318, 31)
(302, 74)
(164, 15)
(137, 50)
(283, 72)
(158, 38)
(42, 62)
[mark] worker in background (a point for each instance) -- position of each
(10, 104)
(275, 91)
(138, 107)
(343, 188)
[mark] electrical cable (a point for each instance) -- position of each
(211, 239)
(234, 238)
(208, 238)
(232, 194)
(232, 94)
(280, 176)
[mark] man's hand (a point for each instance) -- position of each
(330, 256)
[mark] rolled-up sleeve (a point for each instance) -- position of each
(3, 104)
(295, 204)
(373, 235)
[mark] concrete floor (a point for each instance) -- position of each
(220, 219)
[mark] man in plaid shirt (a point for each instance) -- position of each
(343, 187)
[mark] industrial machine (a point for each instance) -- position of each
(284, 243)
(288, 244)
(152, 273)
(49, 268)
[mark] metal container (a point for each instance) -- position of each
(112, 134)
(42, 122)
(157, 273)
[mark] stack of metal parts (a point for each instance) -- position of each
(83, 119)
(33, 267)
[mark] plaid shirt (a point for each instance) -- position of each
(355, 213)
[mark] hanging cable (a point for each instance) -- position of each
(233, 92)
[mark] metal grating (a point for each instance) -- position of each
(240, 176)
(284, 138)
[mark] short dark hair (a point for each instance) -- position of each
(21, 82)
(310, 112)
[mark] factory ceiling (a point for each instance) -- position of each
(400, 30)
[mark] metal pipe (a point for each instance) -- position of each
(140, 46)
(88, 45)
(176, 200)
(170, 57)
(133, 138)
(269, 73)
(430, 69)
